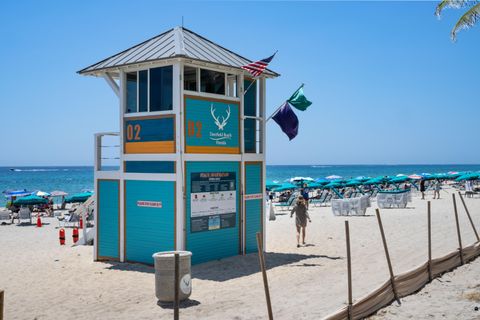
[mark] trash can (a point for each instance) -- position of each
(165, 275)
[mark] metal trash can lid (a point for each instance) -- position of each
(171, 254)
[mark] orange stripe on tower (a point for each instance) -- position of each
(150, 147)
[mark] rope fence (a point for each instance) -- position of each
(409, 282)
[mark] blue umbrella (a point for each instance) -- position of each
(399, 179)
(333, 184)
(30, 200)
(272, 185)
(322, 181)
(16, 193)
(363, 178)
(468, 176)
(79, 197)
(376, 180)
(353, 183)
(285, 186)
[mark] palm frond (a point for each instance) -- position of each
(468, 20)
(450, 4)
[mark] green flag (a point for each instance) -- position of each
(299, 101)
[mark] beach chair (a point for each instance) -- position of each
(5, 216)
(286, 205)
(318, 201)
(328, 199)
(71, 220)
(24, 214)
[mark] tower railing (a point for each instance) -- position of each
(107, 151)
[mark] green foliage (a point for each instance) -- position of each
(467, 20)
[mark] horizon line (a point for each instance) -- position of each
(313, 164)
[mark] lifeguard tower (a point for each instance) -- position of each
(192, 152)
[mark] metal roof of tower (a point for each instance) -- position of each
(178, 42)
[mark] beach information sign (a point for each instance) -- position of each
(211, 126)
(213, 201)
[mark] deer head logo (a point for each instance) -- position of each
(223, 123)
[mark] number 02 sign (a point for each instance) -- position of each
(149, 135)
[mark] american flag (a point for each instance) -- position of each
(257, 68)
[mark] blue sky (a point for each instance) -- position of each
(388, 85)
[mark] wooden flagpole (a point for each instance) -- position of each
(387, 255)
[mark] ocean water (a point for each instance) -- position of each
(68, 179)
(77, 179)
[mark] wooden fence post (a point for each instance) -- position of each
(469, 217)
(176, 299)
(387, 255)
(429, 241)
(349, 271)
(2, 297)
(460, 249)
(261, 257)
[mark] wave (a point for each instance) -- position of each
(321, 166)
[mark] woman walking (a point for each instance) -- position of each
(301, 216)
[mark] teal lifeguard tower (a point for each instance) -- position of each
(191, 172)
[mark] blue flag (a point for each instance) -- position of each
(287, 120)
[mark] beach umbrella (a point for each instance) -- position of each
(41, 194)
(315, 184)
(300, 180)
(78, 197)
(376, 180)
(322, 181)
(30, 200)
(454, 175)
(427, 176)
(333, 184)
(272, 185)
(353, 183)
(468, 176)
(362, 178)
(285, 186)
(16, 193)
(58, 193)
(415, 177)
(440, 176)
(333, 177)
(399, 179)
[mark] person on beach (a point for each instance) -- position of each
(436, 189)
(422, 188)
(301, 216)
(305, 196)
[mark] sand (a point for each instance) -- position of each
(43, 280)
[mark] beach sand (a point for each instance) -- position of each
(43, 280)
